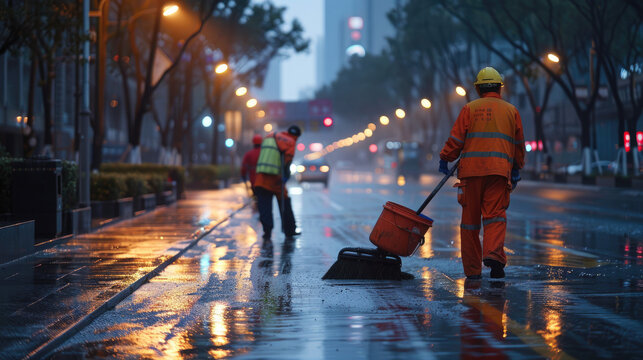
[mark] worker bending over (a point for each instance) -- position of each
(273, 170)
(489, 139)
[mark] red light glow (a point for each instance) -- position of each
(301, 147)
(372, 148)
(328, 121)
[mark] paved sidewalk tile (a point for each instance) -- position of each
(44, 294)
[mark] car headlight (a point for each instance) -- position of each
(324, 168)
(301, 168)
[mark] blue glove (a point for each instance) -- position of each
(444, 168)
(515, 177)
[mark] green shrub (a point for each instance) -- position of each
(172, 173)
(5, 185)
(106, 187)
(207, 176)
(156, 183)
(135, 185)
(202, 176)
(70, 179)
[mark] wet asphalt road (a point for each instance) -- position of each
(574, 286)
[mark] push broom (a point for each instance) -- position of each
(399, 231)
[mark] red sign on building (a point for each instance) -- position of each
(276, 110)
(320, 108)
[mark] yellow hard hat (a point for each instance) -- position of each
(488, 75)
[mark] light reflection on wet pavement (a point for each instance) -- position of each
(46, 293)
(573, 288)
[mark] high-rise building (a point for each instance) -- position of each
(271, 89)
(352, 27)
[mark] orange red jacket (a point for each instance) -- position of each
(488, 137)
(286, 144)
(249, 165)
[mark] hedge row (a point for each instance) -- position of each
(113, 186)
(208, 176)
(171, 173)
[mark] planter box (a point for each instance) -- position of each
(104, 209)
(637, 184)
(77, 221)
(623, 182)
(560, 178)
(125, 207)
(588, 180)
(16, 239)
(605, 181)
(145, 202)
(574, 179)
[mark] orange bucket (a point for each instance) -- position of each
(399, 230)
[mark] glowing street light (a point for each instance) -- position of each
(372, 126)
(401, 114)
(426, 103)
(553, 57)
(221, 68)
(206, 121)
(261, 114)
(251, 103)
(460, 91)
(368, 132)
(170, 9)
(267, 128)
(241, 91)
(384, 120)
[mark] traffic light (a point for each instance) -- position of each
(328, 121)
(626, 138)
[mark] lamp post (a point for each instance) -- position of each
(101, 48)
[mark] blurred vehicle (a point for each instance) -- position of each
(316, 170)
(607, 167)
(409, 160)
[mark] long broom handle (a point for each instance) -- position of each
(435, 191)
(283, 184)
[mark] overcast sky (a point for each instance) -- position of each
(298, 72)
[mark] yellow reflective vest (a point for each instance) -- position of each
(269, 158)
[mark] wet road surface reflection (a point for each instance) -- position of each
(573, 286)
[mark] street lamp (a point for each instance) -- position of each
(400, 113)
(267, 128)
(553, 57)
(170, 9)
(426, 103)
(241, 91)
(460, 91)
(221, 68)
(251, 103)
(384, 120)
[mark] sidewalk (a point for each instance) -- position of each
(46, 296)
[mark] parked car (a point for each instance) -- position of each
(607, 167)
(316, 170)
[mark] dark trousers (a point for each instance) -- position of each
(264, 202)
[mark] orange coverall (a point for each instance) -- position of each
(489, 139)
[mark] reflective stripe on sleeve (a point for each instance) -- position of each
(487, 154)
(456, 139)
(493, 220)
(470, 227)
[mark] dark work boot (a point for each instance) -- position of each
(496, 266)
